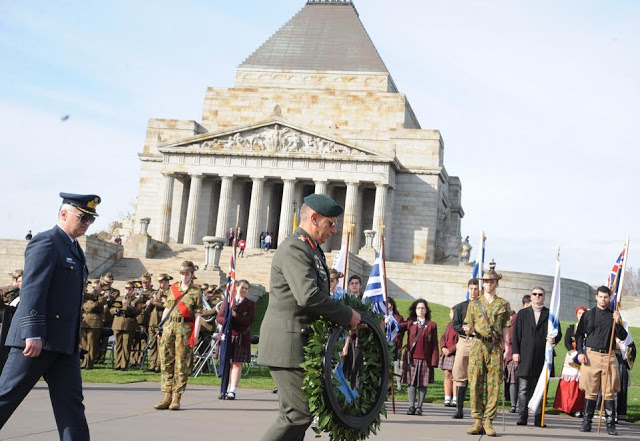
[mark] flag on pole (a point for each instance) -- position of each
(614, 278)
(553, 327)
(226, 348)
(375, 293)
(478, 267)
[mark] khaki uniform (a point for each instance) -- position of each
(143, 323)
(124, 329)
(91, 327)
(299, 295)
(155, 316)
(109, 297)
(485, 358)
(175, 352)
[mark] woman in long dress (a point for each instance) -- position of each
(569, 397)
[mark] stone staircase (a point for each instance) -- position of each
(255, 266)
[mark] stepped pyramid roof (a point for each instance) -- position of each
(323, 36)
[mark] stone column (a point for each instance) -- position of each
(165, 209)
(144, 225)
(190, 228)
(321, 187)
(286, 210)
(253, 229)
(351, 206)
(223, 205)
(379, 210)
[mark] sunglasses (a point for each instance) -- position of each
(537, 294)
(84, 218)
(331, 223)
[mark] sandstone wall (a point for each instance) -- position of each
(101, 255)
(447, 285)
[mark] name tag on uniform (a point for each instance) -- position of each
(71, 261)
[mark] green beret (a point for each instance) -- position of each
(324, 205)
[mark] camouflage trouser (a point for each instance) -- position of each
(485, 367)
(175, 357)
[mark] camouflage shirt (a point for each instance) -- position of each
(498, 312)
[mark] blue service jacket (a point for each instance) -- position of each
(51, 297)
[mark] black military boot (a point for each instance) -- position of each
(589, 408)
(461, 392)
(610, 412)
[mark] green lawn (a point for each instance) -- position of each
(259, 378)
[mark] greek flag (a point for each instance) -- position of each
(375, 293)
(553, 328)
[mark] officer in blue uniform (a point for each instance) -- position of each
(44, 334)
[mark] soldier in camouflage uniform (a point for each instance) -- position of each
(179, 335)
(156, 305)
(486, 353)
(92, 321)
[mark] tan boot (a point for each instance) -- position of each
(175, 402)
(488, 428)
(164, 404)
(477, 428)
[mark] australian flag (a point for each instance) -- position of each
(377, 296)
(614, 279)
(226, 348)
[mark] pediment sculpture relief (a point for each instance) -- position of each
(277, 139)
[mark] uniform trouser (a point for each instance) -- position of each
(295, 416)
(102, 346)
(175, 357)
(62, 373)
(485, 367)
(461, 362)
(593, 373)
(90, 337)
(154, 354)
(123, 342)
(526, 387)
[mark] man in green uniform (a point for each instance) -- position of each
(299, 295)
(156, 307)
(488, 321)
(92, 322)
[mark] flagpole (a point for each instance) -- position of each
(386, 303)
(346, 261)
(613, 330)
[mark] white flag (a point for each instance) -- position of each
(340, 264)
(552, 332)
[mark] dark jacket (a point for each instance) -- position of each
(52, 293)
(529, 340)
(459, 313)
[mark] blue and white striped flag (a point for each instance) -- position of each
(552, 332)
(375, 293)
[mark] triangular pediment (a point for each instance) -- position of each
(274, 137)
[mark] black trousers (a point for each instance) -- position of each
(526, 387)
(62, 374)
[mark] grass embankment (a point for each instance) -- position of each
(259, 378)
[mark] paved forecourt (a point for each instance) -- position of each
(125, 412)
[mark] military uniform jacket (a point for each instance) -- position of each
(157, 307)
(124, 318)
(93, 308)
(52, 293)
(299, 294)
(498, 312)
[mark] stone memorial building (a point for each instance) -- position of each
(313, 109)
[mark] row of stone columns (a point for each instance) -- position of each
(253, 230)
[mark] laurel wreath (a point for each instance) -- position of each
(314, 386)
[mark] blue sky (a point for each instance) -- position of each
(537, 103)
